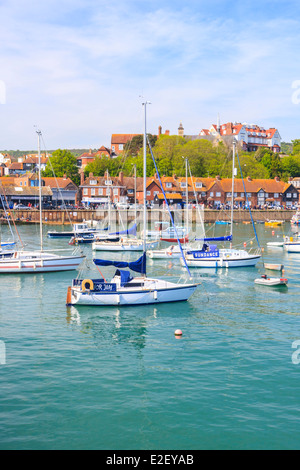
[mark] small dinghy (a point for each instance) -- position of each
(274, 267)
(264, 280)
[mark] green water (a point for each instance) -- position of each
(109, 378)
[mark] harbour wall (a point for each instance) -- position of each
(60, 217)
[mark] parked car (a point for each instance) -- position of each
(22, 206)
(122, 205)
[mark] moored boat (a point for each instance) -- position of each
(264, 280)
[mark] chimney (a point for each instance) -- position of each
(155, 176)
(81, 177)
(90, 151)
(174, 177)
(249, 178)
(121, 177)
(159, 130)
(277, 179)
(218, 178)
(91, 175)
(65, 176)
(167, 132)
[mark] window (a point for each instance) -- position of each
(100, 192)
(168, 185)
(289, 195)
(276, 195)
(211, 194)
(218, 194)
(183, 184)
(148, 193)
(155, 193)
(115, 191)
(228, 194)
(295, 195)
(199, 185)
(267, 194)
(85, 191)
(120, 146)
(249, 194)
(93, 191)
(93, 181)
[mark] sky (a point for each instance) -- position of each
(79, 70)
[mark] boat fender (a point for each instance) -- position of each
(87, 284)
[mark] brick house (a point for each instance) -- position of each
(87, 157)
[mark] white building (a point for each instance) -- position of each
(250, 136)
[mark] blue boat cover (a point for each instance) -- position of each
(130, 231)
(228, 238)
(138, 266)
(125, 276)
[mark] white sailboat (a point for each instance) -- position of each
(123, 289)
(23, 261)
(127, 240)
(174, 251)
(210, 256)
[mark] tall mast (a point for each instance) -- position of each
(135, 210)
(232, 189)
(40, 190)
(145, 174)
(187, 195)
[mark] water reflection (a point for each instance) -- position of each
(110, 324)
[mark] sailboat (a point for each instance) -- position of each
(174, 251)
(127, 239)
(4, 245)
(22, 261)
(124, 289)
(210, 256)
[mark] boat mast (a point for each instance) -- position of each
(145, 173)
(135, 210)
(40, 190)
(232, 189)
(187, 198)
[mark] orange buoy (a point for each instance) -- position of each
(178, 333)
(69, 296)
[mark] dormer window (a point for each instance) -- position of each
(168, 185)
(93, 182)
(183, 184)
(199, 185)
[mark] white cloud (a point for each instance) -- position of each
(79, 67)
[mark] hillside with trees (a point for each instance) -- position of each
(205, 159)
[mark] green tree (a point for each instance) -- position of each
(133, 146)
(296, 146)
(62, 162)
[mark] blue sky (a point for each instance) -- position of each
(77, 68)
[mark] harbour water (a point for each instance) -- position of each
(118, 378)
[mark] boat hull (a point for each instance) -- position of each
(292, 247)
(122, 247)
(272, 282)
(134, 297)
(35, 264)
(222, 261)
